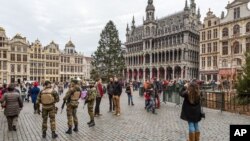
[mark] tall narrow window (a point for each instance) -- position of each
(12, 57)
(209, 35)
(224, 48)
(209, 61)
(236, 29)
(215, 33)
(247, 44)
(215, 61)
(237, 13)
(203, 62)
(209, 48)
(225, 32)
(236, 48)
(248, 27)
(214, 46)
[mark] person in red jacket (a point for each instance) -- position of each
(99, 95)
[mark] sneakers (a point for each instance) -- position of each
(118, 114)
(92, 123)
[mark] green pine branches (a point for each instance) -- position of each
(108, 60)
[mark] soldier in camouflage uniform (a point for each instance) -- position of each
(48, 97)
(71, 98)
(92, 92)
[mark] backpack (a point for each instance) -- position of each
(104, 89)
(128, 90)
(83, 94)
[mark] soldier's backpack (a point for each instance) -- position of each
(92, 94)
(47, 97)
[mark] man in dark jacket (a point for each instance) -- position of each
(34, 92)
(116, 97)
(110, 93)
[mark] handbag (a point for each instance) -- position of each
(203, 115)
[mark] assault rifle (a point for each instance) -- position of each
(64, 102)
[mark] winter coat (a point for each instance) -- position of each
(99, 88)
(110, 88)
(34, 93)
(190, 112)
(117, 89)
(13, 103)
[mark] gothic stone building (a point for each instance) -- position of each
(165, 48)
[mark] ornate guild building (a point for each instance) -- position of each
(22, 61)
(224, 41)
(166, 48)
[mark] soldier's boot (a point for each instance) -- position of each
(54, 135)
(44, 134)
(89, 122)
(76, 128)
(69, 131)
(92, 123)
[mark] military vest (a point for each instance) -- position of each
(47, 97)
(75, 96)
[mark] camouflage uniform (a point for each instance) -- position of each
(48, 110)
(72, 105)
(91, 100)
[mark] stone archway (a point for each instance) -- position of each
(177, 72)
(147, 73)
(169, 73)
(135, 74)
(140, 74)
(130, 74)
(154, 73)
(161, 73)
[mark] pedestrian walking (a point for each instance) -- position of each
(116, 96)
(71, 98)
(191, 109)
(129, 91)
(48, 97)
(110, 90)
(90, 100)
(34, 92)
(99, 96)
(14, 104)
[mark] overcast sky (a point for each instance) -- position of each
(83, 20)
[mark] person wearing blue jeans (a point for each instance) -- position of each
(191, 109)
(129, 93)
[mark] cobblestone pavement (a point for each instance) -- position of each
(134, 124)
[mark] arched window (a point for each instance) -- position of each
(236, 47)
(224, 63)
(236, 29)
(209, 23)
(225, 32)
(248, 27)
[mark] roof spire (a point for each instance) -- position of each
(133, 23)
(186, 6)
(199, 13)
(127, 28)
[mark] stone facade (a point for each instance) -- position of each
(21, 61)
(165, 48)
(209, 47)
(233, 38)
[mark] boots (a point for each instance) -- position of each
(54, 135)
(89, 122)
(191, 137)
(69, 131)
(76, 128)
(44, 134)
(92, 123)
(197, 136)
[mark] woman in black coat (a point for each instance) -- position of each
(191, 109)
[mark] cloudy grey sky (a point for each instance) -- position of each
(83, 20)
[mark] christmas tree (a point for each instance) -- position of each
(243, 86)
(108, 60)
